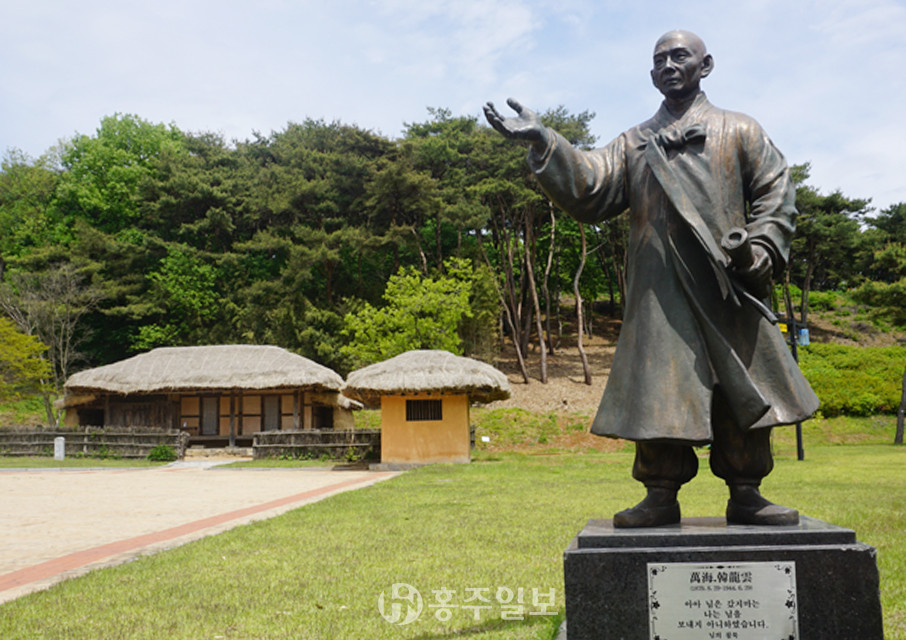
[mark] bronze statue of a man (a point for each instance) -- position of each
(699, 358)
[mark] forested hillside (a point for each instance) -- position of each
(343, 245)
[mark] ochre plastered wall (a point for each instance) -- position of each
(444, 440)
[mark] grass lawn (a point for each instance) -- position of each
(44, 462)
(498, 524)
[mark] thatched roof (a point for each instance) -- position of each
(417, 372)
(219, 367)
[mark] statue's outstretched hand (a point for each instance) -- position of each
(525, 126)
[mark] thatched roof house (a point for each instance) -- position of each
(211, 391)
(425, 398)
(427, 372)
(217, 367)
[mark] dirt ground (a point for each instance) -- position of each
(566, 389)
(60, 523)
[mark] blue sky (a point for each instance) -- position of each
(826, 78)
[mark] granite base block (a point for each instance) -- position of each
(606, 575)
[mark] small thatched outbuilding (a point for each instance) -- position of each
(424, 398)
(212, 392)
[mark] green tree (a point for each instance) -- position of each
(325, 170)
(889, 262)
(420, 312)
(23, 369)
(185, 289)
(399, 199)
(120, 264)
(892, 222)
(827, 236)
(27, 216)
(884, 246)
(444, 148)
(886, 300)
(103, 173)
(50, 303)
(480, 330)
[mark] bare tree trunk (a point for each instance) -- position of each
(619, 263)
(533, 291)
(807, 283)
(787, 298)
(525, 312)
(421, 253)
(509, 300)
(48, 409)
(507, 315)
(898, 438)
(515, 296)
(617, 258)
(580, 321)
(791, 318)
(519, 355)
(545, 284)
(557, 314)
(513, 302)
(611, 298)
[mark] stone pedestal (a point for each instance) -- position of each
(832, 589)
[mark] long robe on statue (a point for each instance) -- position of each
(688, 329)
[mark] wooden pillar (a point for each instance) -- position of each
(306, 412)
(241, 427)
(296, 401)
(232, 419)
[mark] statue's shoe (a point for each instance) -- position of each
(768, 514)
(643, 515)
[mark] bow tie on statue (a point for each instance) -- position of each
(676, 138)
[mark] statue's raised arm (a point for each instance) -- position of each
(526, 125)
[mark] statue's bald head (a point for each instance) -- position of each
(680, 62)
(692, 41)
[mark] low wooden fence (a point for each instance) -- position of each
(360, 444)
(92, 442)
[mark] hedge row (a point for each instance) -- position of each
(855, 381)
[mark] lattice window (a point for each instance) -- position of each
(423, 410)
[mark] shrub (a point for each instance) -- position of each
(105, 452)
(825, 300)
(855, 381)
(162, 453)
(887, 301)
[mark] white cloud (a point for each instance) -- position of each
(823, 76)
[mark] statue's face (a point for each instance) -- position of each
(680, 62)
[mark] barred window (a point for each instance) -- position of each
(420, 410)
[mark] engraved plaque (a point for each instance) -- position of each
(733, 601)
